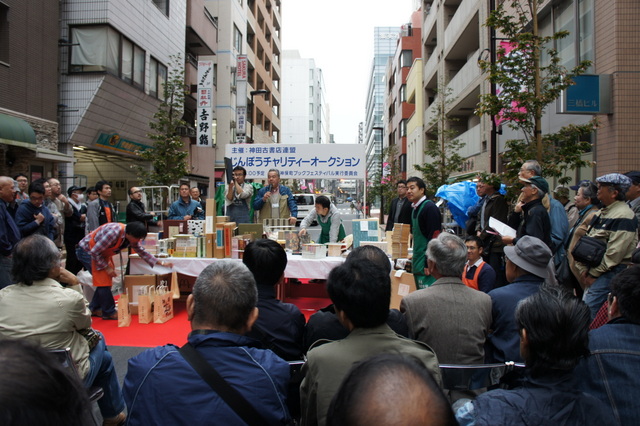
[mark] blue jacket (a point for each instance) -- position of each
(179, 209)
(161, 388)
(9, 231)
(547, 400)
(611, 373)
(559, 230)
(503, 343)
(28, 225)
(279, 326)
(291, 202)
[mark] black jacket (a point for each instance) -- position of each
(534, 221)
(405, 213)
(136, 213)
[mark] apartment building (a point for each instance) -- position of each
(114, 60)
(453, 37)
(29, 49)
(248, 28)
(398, 109)
(606, 34)
(305, 112)
(415, 123)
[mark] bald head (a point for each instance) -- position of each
(389, 389)
(6, 189)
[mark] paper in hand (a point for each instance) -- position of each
(501, 228)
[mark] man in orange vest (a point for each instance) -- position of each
(96, 250)
(477, 273)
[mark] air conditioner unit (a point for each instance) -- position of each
(232, 124)
(233, 89)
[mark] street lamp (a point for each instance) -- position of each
(381, 129)
(260, 92)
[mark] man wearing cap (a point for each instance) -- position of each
(75, 226)
(617, 226)
(557, 215)
(633, 194)
(534, 219)
(561, 193)
(526, 269)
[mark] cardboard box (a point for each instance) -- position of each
(210, 216)
(218, 249)
(229, 232)
(402, 283)
(133, 283)
(255, 229)
(209, 241)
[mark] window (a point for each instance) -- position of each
(403, 93)
(310, 124)
(403, 128)
(406, 58)
(101, 48)
(311, 109)
(237, 39)
(157, 78)
(4, 33)
(163, 5)
(98, 49)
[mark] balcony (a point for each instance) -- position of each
(466, 77)
(471, 139)
(463, 30)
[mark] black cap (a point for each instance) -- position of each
(634, 176)
(575, 187)
(75, 188)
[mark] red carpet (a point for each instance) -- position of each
(176, 330)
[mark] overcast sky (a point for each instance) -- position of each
(338, 35)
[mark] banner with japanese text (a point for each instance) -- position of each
(205, 103)
(303, 161)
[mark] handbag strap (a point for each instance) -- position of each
(230, 395)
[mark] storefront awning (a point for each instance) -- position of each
(16, 129)
(42, 153)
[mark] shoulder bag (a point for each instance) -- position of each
(589, 250)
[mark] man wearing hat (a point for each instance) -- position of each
(617, 226)
(633, 193)
(534, 219)
(74, 226)
(526, 269)
(561, 193)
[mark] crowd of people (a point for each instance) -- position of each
(574, 323)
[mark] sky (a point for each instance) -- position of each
(338, 36)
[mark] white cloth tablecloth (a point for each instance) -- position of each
(297, 267)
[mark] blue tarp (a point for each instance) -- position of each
(460, 196)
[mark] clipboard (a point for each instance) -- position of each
(228, 166)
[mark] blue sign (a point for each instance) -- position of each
(589, 95)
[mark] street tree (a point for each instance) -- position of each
(167, 157)
(528, 76)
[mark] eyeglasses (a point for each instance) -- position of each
(137, 192)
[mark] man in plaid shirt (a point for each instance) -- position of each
(96, 250)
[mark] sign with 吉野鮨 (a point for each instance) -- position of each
(205, 103)
(303, 161)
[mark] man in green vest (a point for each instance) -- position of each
(426, 223)
(328, 218)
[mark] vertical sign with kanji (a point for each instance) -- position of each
(241, 97)
(205, 103)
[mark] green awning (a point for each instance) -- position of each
(16, 129)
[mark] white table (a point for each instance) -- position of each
(297, 267)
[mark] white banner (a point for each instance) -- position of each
(304, 161)
(205, 103)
